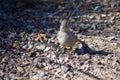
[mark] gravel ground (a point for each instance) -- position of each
(28, 46)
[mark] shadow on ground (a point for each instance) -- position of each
(86, 49)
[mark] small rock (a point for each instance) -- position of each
(112, 18)
(53, 56)
(48, 56)
(40, 47)
(44, 64)
(35, 77)
(25, 63)
(20, 69)
(103, 15)
(66, 59)
(37, 39)
(114, 62)
(111, 38)
(93, 26)
(98, 18)
(115, 44)
(67, 76)
(25, 47)
(85, 67)
(48, 61)
(47, 48)
(30, 45)
(49, 67)
(61, 60)
(91, 16)
(87, 26)
(87, 56)
(46, 68)
(64, 68)
(58, 71)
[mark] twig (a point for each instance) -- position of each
(75, 10)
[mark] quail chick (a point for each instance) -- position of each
(65, 37)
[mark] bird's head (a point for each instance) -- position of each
(63, 26)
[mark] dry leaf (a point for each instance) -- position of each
(19, 78)
(42, 37)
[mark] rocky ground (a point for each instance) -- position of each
(28, 49)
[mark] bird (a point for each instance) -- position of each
(65, 37)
